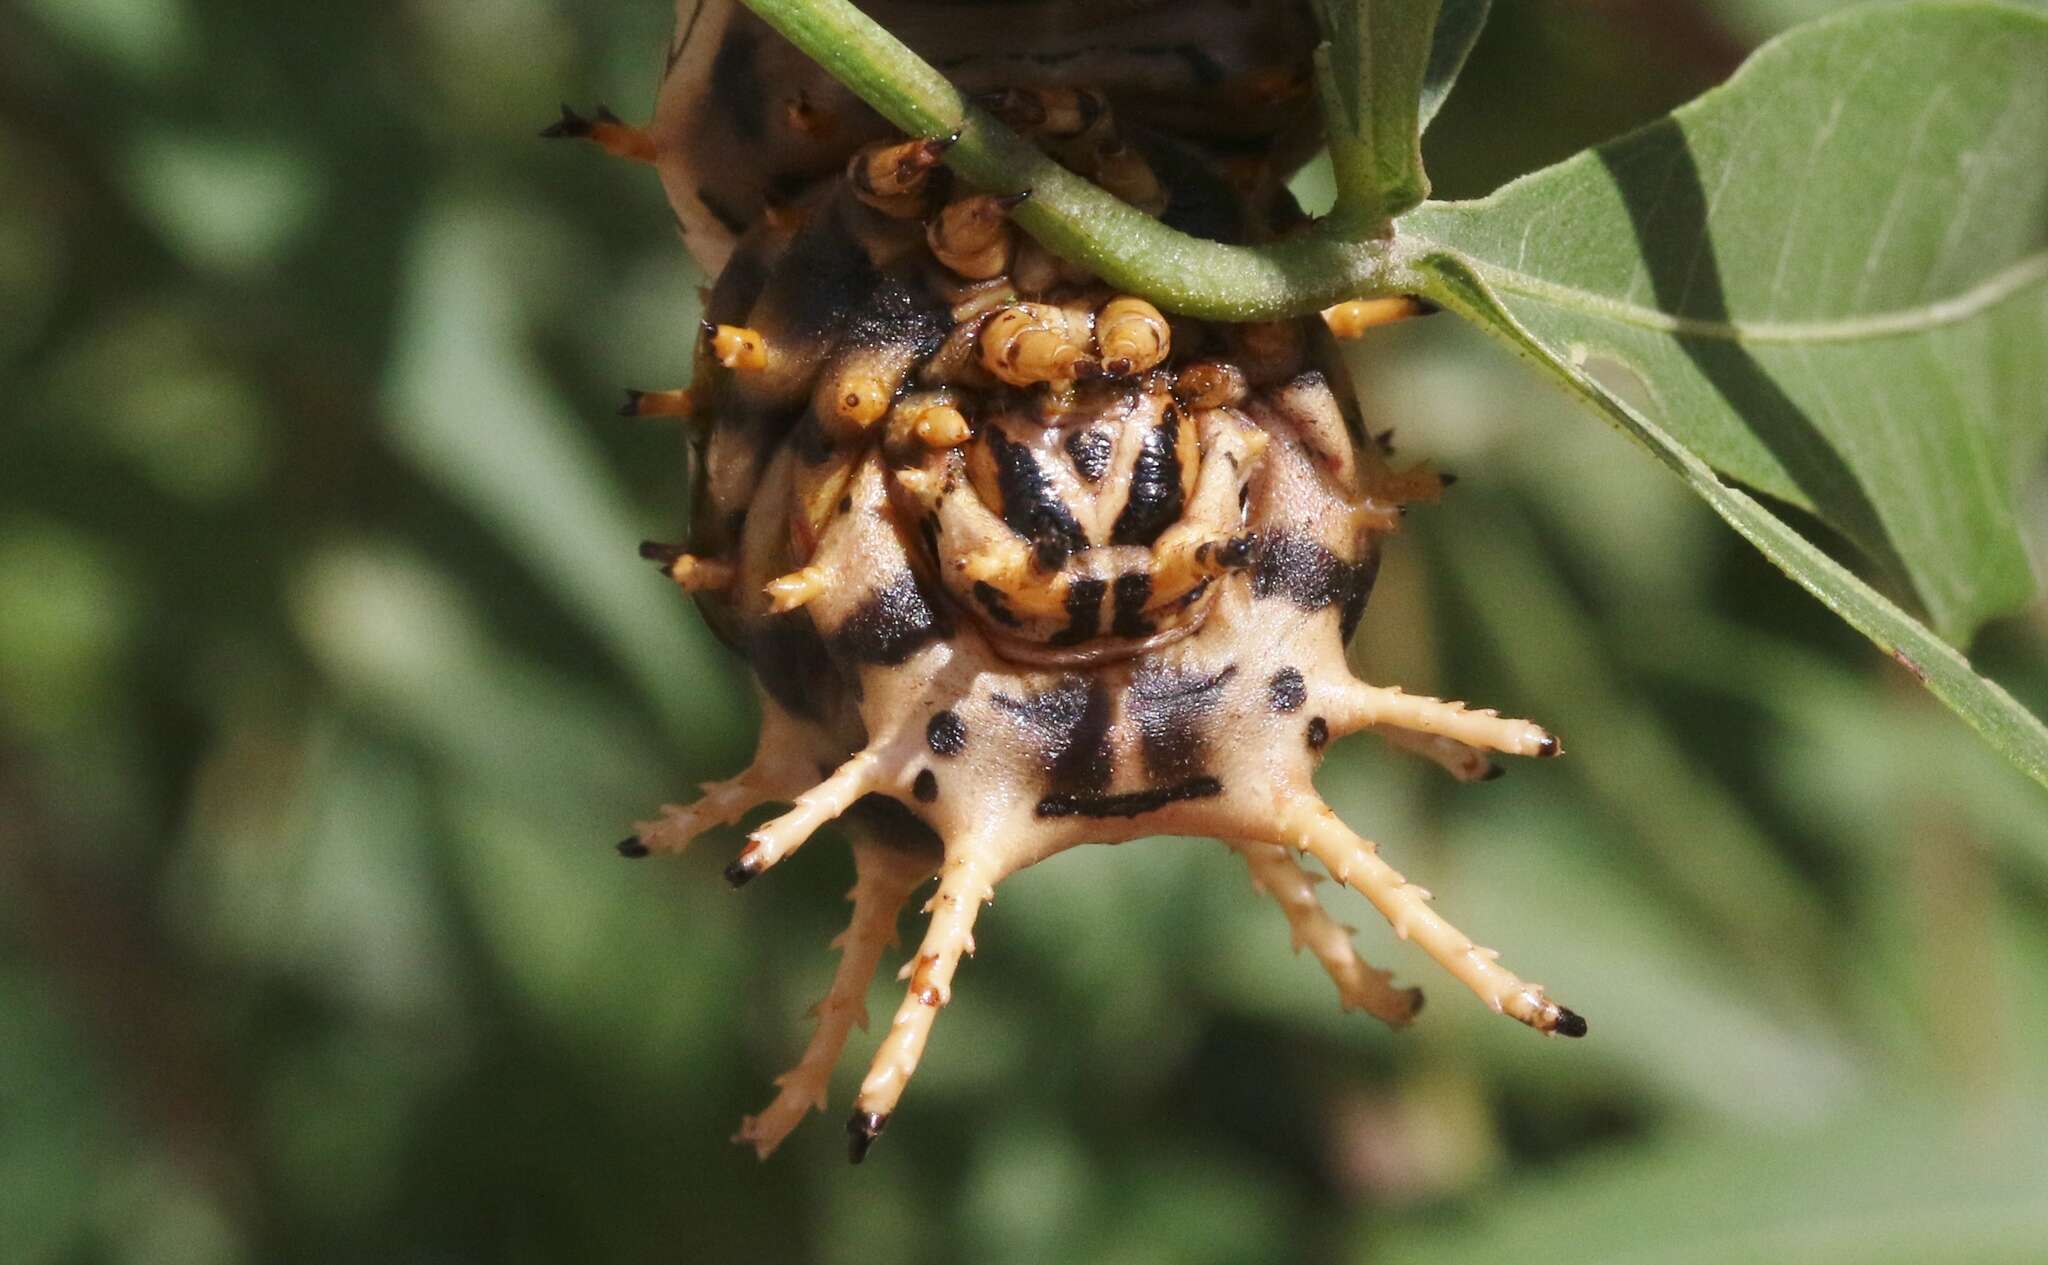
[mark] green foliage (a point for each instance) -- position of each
(1827, 281)
(1372, 70)
(328, 676)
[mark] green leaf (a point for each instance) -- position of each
(1371, 71)
(1987, 708)
(1912, 1181)
(1458, 25)
(1830, 276)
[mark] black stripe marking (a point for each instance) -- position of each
(736, 86)
(1312, 578)
(1133, 590)
(1070, 726)
(1084, 612)
(992, 601)
(1154, 501)
(1030, 507)
(1171, 709)
(1132, 804)
(890, 626)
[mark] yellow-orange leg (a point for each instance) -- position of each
(1467, 764)
(1359, 985)
(965, 884)
(1354, 705)
(607, 131)
(693, 573)
(812, 809)
(658, 404)
(1355, 318)
(884, 878)
(1315, 828)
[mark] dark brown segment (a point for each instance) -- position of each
(926, 787)
(632, 848)
(1287, 691)
(1569, 1024)
(1171, 709)
(946, 734)
(1318, 733)
(889, 627)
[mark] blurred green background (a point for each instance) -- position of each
(328, 676)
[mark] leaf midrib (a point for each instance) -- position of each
(1978, 299)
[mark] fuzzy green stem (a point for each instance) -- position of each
(1073, 217)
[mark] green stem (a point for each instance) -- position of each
(1071, 216)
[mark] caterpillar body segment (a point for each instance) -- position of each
(1020, 562)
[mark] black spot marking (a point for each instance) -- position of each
(632, 848)
(1090, 451)
(946, 734)
(1171, 708)
(1133, 590)
(1131, 804)
(1287, 691)
(1318, 733)
(1084, 612)
(1069, 724)
(1154, 502)
(925, 787)
(1569, 1023)
(1030, 506)
(891, 626)
(861, 1131)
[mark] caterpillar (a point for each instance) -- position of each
(1017, 561)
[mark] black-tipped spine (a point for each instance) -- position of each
(862, 1128)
